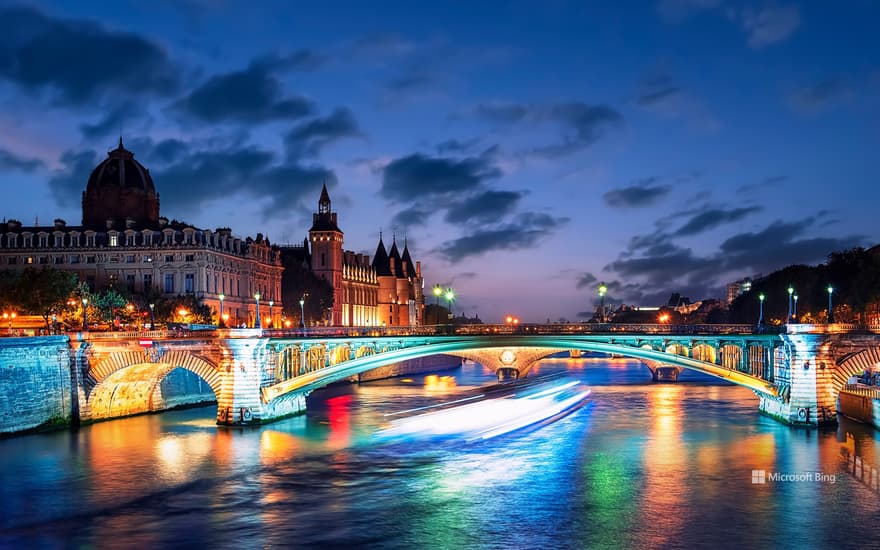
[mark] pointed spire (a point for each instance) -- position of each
(120, 141)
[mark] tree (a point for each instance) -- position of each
(107, 305)
(298, 282)
(44, 292)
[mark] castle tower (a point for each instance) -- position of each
(326, 239)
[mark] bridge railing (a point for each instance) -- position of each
(864, 391)
(520, 329)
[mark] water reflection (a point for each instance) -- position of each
(643, 465)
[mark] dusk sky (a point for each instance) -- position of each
(527, 150)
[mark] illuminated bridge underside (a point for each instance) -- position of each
(465, 344)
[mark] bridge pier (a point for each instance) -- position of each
(506, 374)
(666, 373)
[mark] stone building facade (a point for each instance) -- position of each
(124, 242)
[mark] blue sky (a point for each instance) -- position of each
(526, 150)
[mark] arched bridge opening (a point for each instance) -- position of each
(468, 346)
(128, 383)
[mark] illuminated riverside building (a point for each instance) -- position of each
(124, 242)
(385, 292)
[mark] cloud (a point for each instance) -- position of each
(768, 182)
(530, 228)
(502, 112)
(112, 122)
(412, 81)
(640, 194)
(67, 183)
(302, 60)
(584, 280)
(79, 61)
(456, 146)
(710, 219)
(251, 95)
(308, 138)
(580, 124)
(819, 96)
(486, 206)
(770, 24)
(417, 176)
(9, 161)
(412, 216)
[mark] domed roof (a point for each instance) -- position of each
(120, 169)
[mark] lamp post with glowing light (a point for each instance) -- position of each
(302, 311)
(790, 296)
(222, 319)
(602, 291)
(450, 296)
(438, 291)
(152, 316)
(257, 322)
(761, 310)
(271, 318)
(85, 303)
(830, 306)
(794, 311)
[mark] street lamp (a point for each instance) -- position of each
(761, 310)
(257, 322)
(152, 317)
(602, 291)
(85, 302)
(790, 295)
(222, 319)
(450, 296)
(302, 311)
(271, 318)
(830, 307)
(438, 291)
(794, 311)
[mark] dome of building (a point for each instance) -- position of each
(120, 191)
(120, 169)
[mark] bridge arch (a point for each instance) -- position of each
(322, 377)
(126, 383)
(852, 365)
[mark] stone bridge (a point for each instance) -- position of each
(259, 376)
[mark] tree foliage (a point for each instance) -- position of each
(44, 292)
(854, 275)
(297, 283)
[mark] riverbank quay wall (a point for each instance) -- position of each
(35, 384)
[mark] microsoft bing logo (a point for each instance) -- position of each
(759, 476)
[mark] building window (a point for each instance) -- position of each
(147, 259)
(59, 241)
(114, 240)
(148, 281)
(113, 260)
(169, 283)
(74, 259)
(129, 259)
(44, 240)
(190, 257)
(129, 282)
(90, 240)
(188, 283)
(322, 259)
(59, 260)
(129, 240)
(90, 259)
(43, 260)
(169, 257)
(11, 261)
(29, 260)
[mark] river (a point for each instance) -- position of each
(642, 465)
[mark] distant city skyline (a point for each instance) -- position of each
(526, 151)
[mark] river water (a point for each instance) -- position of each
(642, 465)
